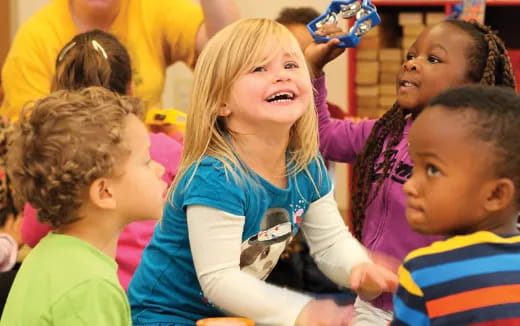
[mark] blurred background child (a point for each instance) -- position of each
(466, 186)
(97, 58)
(10, 235)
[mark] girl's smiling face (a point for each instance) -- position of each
(436, 61)
(273, 94)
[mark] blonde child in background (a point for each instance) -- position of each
(465, 185)
(97, 58)
(250, 176)
(451, 53)
(82, 159)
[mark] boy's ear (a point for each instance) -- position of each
(500, 195)
(101, 194)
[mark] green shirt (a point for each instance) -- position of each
(66, 281)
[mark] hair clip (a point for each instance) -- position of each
(99, 48)
(363, 11)
(65, 50)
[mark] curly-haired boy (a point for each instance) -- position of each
(81, 158)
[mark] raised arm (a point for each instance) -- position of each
(340, 140)
(217, 14)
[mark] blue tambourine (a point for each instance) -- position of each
(363, 11)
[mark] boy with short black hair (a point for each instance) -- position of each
(466, 185)
(81, 158)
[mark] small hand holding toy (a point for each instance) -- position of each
(363, 11)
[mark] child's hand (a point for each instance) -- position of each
(370, 280)
(319, 54)
(324, 313)
(384, 260)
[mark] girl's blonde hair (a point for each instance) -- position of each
(230, 54)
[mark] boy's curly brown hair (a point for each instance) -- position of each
(63, 143)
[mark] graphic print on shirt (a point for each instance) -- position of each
(260, 252)
(400, 174)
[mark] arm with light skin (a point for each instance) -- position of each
(217, 14)
(339, 255)
(215, 241)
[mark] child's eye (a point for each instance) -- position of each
(410, 56)
(259, 69)
(291, 65)
(433, 59)
(432, 170)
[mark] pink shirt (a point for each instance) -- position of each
(8, 252)
(135, 236)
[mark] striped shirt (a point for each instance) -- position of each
(465, 280)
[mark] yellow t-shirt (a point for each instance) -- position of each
(156, 34)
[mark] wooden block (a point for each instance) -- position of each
(392, 67)
(367, 90)
(367, 72)
(367, 78)
(391, 55)
(433, 18)
(368, 43)
(387, 77)
(413, 30)
(387, 89)
(374, 32)
(407, 43)
(386, 101)
(367, 101)
(367, 54)
(411, 18)
(368, 112)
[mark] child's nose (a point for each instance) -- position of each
(281, 76)
(409, 187)
(410, 64)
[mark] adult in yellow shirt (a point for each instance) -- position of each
(157, 33)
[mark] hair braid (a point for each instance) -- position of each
(498, 69)
(389, 126)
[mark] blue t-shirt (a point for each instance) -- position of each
(165, 287)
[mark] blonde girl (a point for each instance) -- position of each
(249, 178)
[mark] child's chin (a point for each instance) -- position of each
(425, 230)
(407, 104)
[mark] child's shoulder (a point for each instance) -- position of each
(458, 247)
(70, 258)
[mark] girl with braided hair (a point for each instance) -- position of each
(449, 54)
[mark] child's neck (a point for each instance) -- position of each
(100, 230)
(264, 155)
